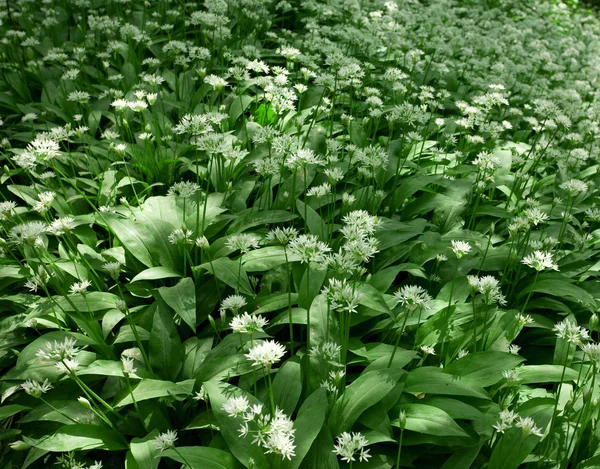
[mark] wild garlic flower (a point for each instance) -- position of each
(512, 376)
(236, 406)
(266, 354)
(523, 319)
(165, 440)
(359, 224)
(80, 287)
(540, 260)
(302, 159)
(202, 243)
(35, 388)
(326, 351)
(427, 350)
(243, 242)
(68, 365)
(6, 210)
(309, 249)
(29, 233)
(201, 395)
(342, 296)
(57, 351)
(514, 349)
(348, 444)
(413, 297)
(232, 303)
(44, 202)
(527, 425)
(274, 433)
(460, 248)
(61, 226)
(281, 235)
(571, 332)
(184, 189)
(489, 288)
(574, 187)
(536, 216)
(507, 417)
(248, 324)
(592, 350)
(113, 269)
(181, 236)
(462, 353)
(128, 365)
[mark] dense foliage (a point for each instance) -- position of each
(306, 234)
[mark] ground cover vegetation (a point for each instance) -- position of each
(291, 235)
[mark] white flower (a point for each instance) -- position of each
(507, 417)
(35, 388)
(128, 364)
(460, 248)
(248, 324)
(68, 365)
(309, 249)
(232, 303)
(236, 406)
(574, 187)
(528, 426)
(266, 353)
(348, 444)
(44, 202)
(243, 242)
(536, 216)
(80, 287)
(6, 210)
(413, 297)
(540, 260)
(165, 440)
(342, 296)
(514, 349)
(571, 332)
(593, 352)
(58, 351)
(427, 350)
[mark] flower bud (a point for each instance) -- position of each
(20, 445)
(84, 402)
(402, 420)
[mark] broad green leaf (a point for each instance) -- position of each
(545, 374)
(561, 289)
(166, 351)
(182, 299)
(153, 388)
(315, 223)
(430, 380)
(155, 273)
(11, 409)
(266, 258)
(430, 420)
(202, 457)
(227, 271)
(368, 389)
(484, 368)
(79, 437)
(287, 385)
(462, 458)
(308, 424)
(144, 451)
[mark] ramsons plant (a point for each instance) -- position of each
(299, 235)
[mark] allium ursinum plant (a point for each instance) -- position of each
(276, 233)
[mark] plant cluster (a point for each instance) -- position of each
(299, 235)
